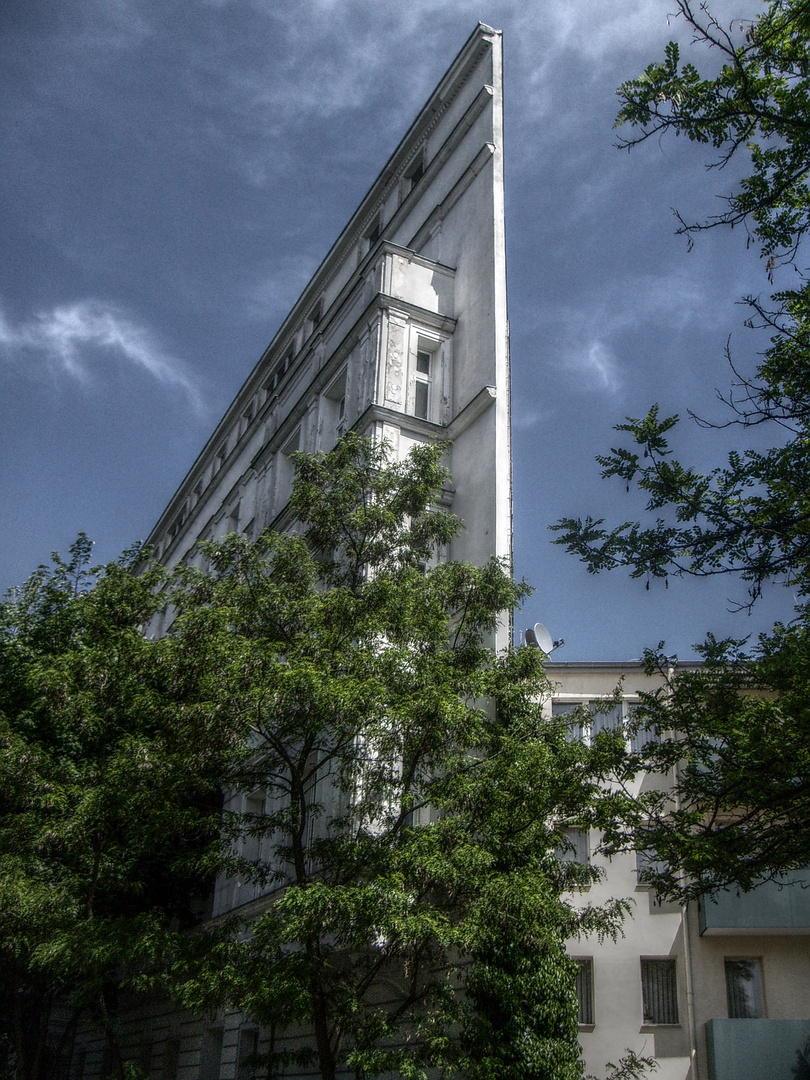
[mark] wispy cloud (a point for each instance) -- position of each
(595, 366)
(77, 338)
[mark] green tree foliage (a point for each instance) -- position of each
(109, 797)
(740, 724)
(407, 797)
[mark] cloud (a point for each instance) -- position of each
(74, 337)
(527, 415)
(596, 367)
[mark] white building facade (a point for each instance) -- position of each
(402, 334)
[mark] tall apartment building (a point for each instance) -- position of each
(402, 333)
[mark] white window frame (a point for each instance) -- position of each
(423, 382)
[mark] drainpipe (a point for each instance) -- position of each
(694, 1070)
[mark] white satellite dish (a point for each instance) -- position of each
(539, 638)
(543, 638)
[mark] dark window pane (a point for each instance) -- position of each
(744, 989)
(420, 407)
(585, 991)
(659, 988)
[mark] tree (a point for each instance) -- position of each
(406, 796)
(109, 832)
(738, 809)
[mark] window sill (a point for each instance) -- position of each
(657, 1027)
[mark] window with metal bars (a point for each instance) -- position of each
(659, 991)
(584, 987)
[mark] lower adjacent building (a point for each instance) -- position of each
(716, 990)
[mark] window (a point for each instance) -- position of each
(659, 991)
(286, 471)
(316, 315)
(254, 812)
(78, 1063)
(647, 866)
(575, 847)
(422, 381)
(608, 719)
(171, 1057)
(561, 709)
(210, 1054)
(604, 716)
(413, 174)
(178, 523)
(640, 736)
(222, 453)
(246, 1065)
(744, 989)
(145, 1052)
(418, 173)
(334, 412)
(584, 988)
(232, 522)
(375, 231)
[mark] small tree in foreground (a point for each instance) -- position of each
(409, 798)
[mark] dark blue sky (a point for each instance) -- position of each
(174, 171)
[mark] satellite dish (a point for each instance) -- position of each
(542, 638)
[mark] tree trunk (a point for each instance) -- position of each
(320, 1018)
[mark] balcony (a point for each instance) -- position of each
(756, 1049)
(771, 908)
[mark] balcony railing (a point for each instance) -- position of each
(771, 908)
(757, 1049)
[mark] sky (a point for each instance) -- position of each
(173, 171)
